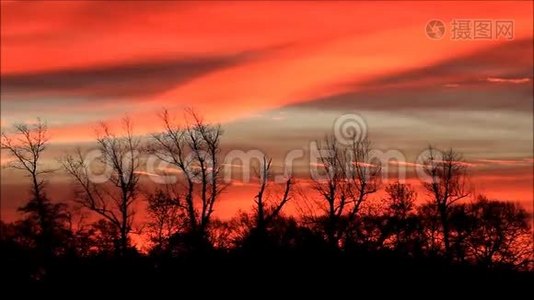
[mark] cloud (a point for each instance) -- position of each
(508, 80)
(147, 173)
(428, 98)
(513, 58)
(120, 80)
(506, 162)
(466, 82)
(352, 41)
(405, 163)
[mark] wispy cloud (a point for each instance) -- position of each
(508, 80)
(506, 162)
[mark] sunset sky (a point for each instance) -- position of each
(276, 75)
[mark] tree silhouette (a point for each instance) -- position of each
(166, 218)
(399, 207)
(224, 234)
(265, 211)
(46, 219)
(400, 199)
(363, 173)
(499, 235)
(436, 239)
(333, 189)
(114, 198)
(100, 238)
(351, 176)
(194, 150)
(429, 229)
(447, 184)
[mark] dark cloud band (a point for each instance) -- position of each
(119, 80)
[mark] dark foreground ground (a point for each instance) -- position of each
(264, 275)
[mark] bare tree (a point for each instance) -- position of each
(114, 198)
(363, 173)
(333, 188)
(447, 184)
(351, 176)
(194, 150)
(26, 146)
(204, 141)
(265, 210)
(26, 149)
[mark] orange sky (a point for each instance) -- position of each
(277, 74)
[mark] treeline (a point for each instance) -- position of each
(341, 219)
